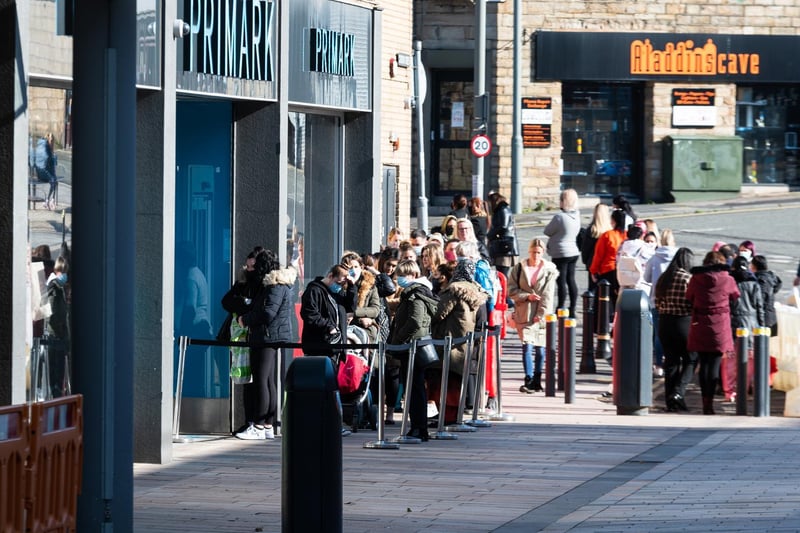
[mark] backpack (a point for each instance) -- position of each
(486, 278)
(630, 271)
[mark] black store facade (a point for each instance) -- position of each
(608, 110)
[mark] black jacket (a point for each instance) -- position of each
(747, 311)
(502, 235)
(270, 319)
(322, 312)
(770, 285)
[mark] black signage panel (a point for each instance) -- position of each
(679, 57)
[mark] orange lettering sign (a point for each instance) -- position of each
(684, 58)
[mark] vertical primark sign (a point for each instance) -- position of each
(231, 47)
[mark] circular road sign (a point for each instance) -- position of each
(480, 145)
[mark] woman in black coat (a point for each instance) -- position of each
(502, 235)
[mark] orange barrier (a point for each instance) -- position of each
(13, 456)
(55, 464)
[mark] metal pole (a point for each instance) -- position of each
(480, 379)
(587, 349)
(742, 347)
(516, 136)
(551, 331)
(381, 443)
(761, 386)
(422, 200)
(499, 415)
(403, 438)
(183, 342)
(480, 89)
(459, 426)
(569, 360)
(562, 314)
(441, 434)
(603, 320)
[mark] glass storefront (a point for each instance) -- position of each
(600, 137)
(314, 193)
(768, 120)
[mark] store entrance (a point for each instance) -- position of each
(602, 138)
(452, 111)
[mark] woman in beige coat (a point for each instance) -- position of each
(532, 285)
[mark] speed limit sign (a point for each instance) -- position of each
(480, 145)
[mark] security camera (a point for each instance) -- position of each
(180, 29)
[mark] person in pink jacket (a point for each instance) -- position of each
(710, 291)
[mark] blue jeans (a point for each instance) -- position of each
(531, 364)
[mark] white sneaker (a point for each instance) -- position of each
(253, 433)
(269, 432)
(346, 432)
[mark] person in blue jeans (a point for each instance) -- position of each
(532, 286)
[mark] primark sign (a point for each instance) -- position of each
(231, 38)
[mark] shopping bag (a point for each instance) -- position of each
(241, 372)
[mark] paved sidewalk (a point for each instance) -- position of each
(557, 467)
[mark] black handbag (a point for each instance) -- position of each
(426, 354)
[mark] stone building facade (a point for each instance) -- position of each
(595, 105)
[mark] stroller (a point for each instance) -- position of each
(354, 374)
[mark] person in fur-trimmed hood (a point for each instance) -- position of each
(368, 302)
(269, 321)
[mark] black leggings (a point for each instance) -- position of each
(565, 281)
(679, 362)
(709, 372)
(261, 396)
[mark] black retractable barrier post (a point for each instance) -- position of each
(633, 354)
(742, 347)
(604, 320)
(403, 438)
(312, 448)
(459, 425)
(562, 314)
(587, 346)
(551, 332)
(569, 360)
(761, 363)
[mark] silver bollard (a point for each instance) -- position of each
(459, 426)
(441, 434)
(183, 343)
(499, 415)
(403, 438)
(381, 443)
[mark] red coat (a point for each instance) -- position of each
(710, 292)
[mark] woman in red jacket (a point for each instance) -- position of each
(710, 292)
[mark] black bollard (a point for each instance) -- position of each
(562, 314)
(550, 355)
(761, 363)
(603, 320)
(312, 448)
(587, 349)
(633, 354)
(742, 347)
(569, 360)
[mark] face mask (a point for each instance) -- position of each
(449, 232)
(418, 250)
(450, 255)
(747, 254)
(62, 278)
(404, 281)
(355, 273)
(335, 287)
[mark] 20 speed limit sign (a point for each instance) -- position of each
(480, 145)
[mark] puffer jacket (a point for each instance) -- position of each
(270, 319)
(770, 285)
(519, 289)
(455, 316)
(747, 311)
(562, 231)
(656, 266)
(414, 313)
(710, 292)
